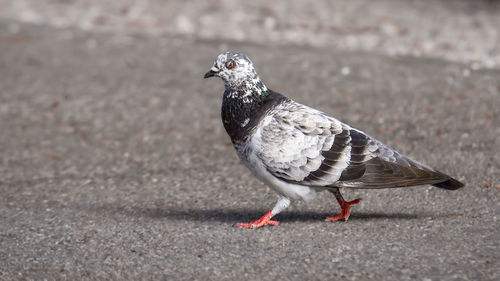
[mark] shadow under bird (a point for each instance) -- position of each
(299, 151)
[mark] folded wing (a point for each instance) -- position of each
(301, 145)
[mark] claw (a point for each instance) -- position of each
(346, 209)
(265, 220)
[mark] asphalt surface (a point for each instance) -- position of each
(115, 164)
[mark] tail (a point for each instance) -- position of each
(450, 184)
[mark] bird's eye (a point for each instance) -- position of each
(230, 64)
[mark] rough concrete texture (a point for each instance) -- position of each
(115, 164)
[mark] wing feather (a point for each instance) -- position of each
(301, 145)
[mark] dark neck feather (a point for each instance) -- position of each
(242, 110)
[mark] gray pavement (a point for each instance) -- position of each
(115, 164)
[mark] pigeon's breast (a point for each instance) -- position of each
(249, 154)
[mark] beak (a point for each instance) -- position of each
(210, 73)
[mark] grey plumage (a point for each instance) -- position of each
(298, 150)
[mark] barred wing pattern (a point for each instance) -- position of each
(305, 146)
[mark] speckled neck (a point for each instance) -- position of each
(247, 91)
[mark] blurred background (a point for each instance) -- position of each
(458, 30)
(114, 164)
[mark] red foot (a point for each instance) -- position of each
(344, 214)
(265, 220)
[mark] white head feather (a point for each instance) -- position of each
(236, 70)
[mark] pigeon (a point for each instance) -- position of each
(299, 151)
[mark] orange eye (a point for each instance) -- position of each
(230, 64)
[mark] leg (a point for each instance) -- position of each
(344, 205)
(282, 204)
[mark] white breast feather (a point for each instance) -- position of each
(249, 155)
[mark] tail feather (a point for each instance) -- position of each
(450, 184)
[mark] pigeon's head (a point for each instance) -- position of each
(234, 69)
